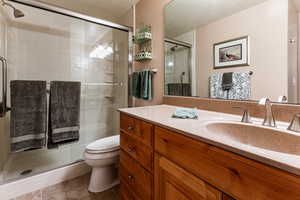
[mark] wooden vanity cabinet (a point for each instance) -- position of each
(136, 159)
(158, 163)
(240, 177)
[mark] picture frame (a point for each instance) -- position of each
(232, 53)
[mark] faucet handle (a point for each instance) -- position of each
(269, 117)
(264, 101)
(295, 123)
(282, 99)
(246, 115)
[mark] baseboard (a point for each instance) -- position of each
(37, 182)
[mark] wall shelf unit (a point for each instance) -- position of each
(143, 40)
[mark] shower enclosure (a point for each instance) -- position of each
(177, 68)
(50, 43)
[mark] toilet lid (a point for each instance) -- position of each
(105, 144)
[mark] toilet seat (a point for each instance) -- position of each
(104, 145)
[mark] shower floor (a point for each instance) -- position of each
(37, 162)
(43, 160)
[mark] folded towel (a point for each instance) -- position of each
(28, 115)
(227, 81)
(146, 84)
(136, 84)
(241, 88)
(215, 86)
(185, 113)
(64, 112)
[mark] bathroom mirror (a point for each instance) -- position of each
(233, 49)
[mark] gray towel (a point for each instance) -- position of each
(240, 90)
(227, 82)
(28, 115)
(136, 84)
(215, 85)
(146, 84)
(64, 112)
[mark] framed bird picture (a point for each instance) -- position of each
(232, 53)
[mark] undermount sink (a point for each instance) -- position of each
(257, 136)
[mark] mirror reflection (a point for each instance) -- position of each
(237, 49)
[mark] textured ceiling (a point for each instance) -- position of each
(182, 16)
(106, 9)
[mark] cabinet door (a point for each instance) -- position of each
(226, 197)
(125, 193)
(137, 179)
(174, 183)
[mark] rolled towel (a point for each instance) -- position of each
(28, 115)
(185, 113)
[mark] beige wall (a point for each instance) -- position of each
(151, 12)
(298, 55)
(127, 18)
(292, 53)
(266, 24)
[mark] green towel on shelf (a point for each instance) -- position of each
(146, 84)
(185, 113)
(136, 84)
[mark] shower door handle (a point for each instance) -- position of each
(3, 106)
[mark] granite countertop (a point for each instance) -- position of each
(161, 115)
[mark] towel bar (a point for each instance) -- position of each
(3, 103)
(100, 84)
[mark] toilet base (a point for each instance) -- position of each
(103, 178)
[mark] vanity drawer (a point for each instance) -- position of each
(137, 128)
(136, 177)
(241, 178)
(137, 150)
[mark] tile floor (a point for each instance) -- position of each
(75, 189)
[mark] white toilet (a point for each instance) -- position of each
(103, 156)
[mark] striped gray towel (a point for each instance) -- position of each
(28, 115)
(64, 112)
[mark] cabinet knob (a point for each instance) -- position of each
(130, 177)
(131, 149)
(130, 128)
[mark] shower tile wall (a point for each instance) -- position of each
(48, 46)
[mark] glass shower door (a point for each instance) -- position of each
(48, 46)
(177, 70)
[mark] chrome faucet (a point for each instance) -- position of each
(269, 117)
(246, 115)
(295, 123)
(282, 99)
